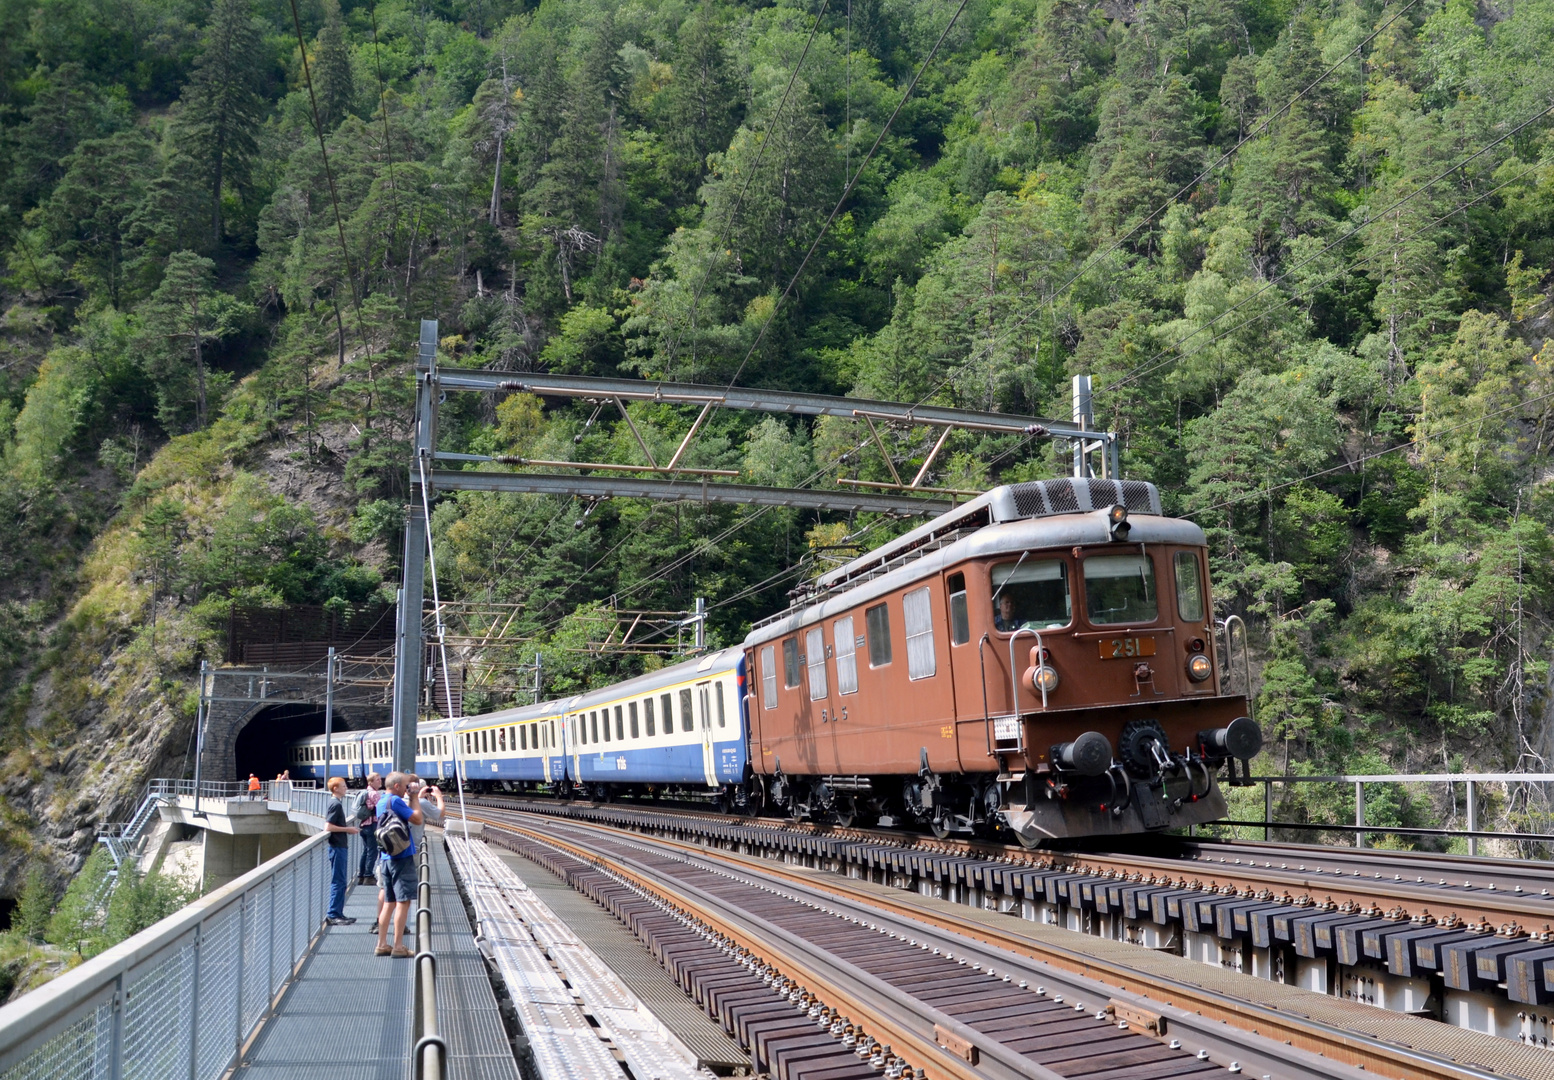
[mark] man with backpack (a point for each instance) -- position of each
(396, 861)
(367, 818)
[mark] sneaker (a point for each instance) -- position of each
(401, 952)
(341, 920)
(382, 950)
(373, 929)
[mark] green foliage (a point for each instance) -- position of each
(33, 907)
(1329, 350)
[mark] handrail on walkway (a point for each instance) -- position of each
(182, 997)
(1361, 828)
(430, 1055)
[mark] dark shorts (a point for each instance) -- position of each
(399, 878)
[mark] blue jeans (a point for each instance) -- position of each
(339, 865)
(369, 864)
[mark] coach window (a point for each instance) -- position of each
(769, 676)
(815, 656)
(512, 738)
(606, 713)
(647, 715)
(1120, 589)
(1031, 595)
(632, 709)
(921, 662)
(846, 656)
(501, 735)
(877, 622)
(667, 701)
(717, 694)
(1189, 587)
(790, 663)
(523, 738)
(620, 724)
(685, 710)
(960, 621)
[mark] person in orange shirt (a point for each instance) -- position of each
(253, 786)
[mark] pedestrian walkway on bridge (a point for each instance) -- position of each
(350, 1014)
(249, 980)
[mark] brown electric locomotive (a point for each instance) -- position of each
(1041, 659)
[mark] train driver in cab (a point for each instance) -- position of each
(1005, 619)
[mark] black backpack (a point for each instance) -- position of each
(393, 834)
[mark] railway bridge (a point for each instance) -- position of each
(602, 941)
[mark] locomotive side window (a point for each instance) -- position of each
(1031, 594)
(846, 656)
(815, 654)
(960, 620)
(769, 676)
(877, 620)
(1120, 589)
(790, 663)
(647, 715)
(1189, 588)
(921, 662)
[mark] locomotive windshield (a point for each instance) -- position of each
(1031, 595)
(1120, 589)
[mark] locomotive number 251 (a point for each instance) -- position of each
(1125, 648)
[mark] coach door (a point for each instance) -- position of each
(709, 764)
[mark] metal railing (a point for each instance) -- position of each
(1473, 797)
(180, 998)
(430, 1056)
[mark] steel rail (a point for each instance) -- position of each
(1229, 1027)
(1299, 883)
(909, 1026)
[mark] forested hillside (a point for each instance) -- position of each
(1303, 248)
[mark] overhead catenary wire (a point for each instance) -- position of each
(334, 198)
(1305, 290)
(1146, 366)
(1349, 465)
(728, 225)
(846, 191)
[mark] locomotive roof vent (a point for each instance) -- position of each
(1011, 502)
(1043, 498)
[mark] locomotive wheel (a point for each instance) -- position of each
(1029, 843)
(939, 827)
(845, 812)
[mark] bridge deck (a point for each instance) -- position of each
(350, 1011)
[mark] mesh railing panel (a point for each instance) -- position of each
(83, 1049)
(205, 1000)
(157, 1016)
(221, 955)
(256, 956)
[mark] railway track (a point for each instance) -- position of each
(1475, 952)
(1159, 1014)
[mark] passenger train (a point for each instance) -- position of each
(1041, 660)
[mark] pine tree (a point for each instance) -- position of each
(332, 80)
(183, 317)
(222, 105)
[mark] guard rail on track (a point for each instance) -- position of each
(180, 998)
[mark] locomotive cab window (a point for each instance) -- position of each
(960, 619)
(1031, 595)
(918, 611)
(1189, 588)
(1120, 589)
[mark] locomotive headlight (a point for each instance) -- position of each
(1199, 667)
(1045, 678)
(1117, 522)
